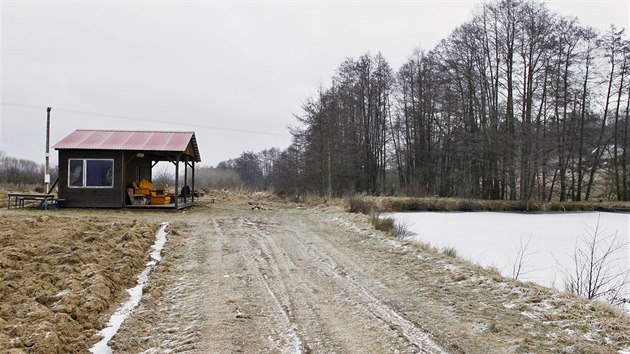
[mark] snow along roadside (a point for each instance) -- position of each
(135, 293)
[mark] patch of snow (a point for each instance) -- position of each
(589, 336)
(135, 293)
(157, 350)
(501, 285)
(624, 351)
(347, 224)
(394, 243)
(544, 306)
(510, 306)
(480, 327)
(421, 257)
(552, 335)
(531, 315)
(570, 332)
(450, 267)
(63, 293)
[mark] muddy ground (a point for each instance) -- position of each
(281, 278)
(61, 275)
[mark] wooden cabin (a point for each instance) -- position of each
(98, 167)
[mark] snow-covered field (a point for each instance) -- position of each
(494, 239)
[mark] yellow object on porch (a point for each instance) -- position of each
(159, 198)
(144, 188)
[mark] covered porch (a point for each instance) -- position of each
(142, 195)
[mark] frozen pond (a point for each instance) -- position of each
(494, 239)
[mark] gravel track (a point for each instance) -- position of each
(266, 281)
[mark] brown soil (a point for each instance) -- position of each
(62, 276)
(255, 275)
(3, 198)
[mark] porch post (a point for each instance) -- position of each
(177, 181)
(122, 179)
(186, 178)
(193, 181)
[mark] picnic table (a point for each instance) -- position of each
(19, 198)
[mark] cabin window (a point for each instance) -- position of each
(91, 173)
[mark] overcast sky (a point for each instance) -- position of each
(233, 72)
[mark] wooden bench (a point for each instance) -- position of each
(19, 198)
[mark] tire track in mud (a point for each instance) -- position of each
(263, 265)
(242, 281)
(418, 339)
(323, 303)
(168, 318)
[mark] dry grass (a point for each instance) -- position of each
(402, 230)
(383, 224)
(3, 197)
(367, 204)
(361, 204)
(450, 252)
(390, 226)
(489, 307)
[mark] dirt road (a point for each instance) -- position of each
(293, 280)
(271, 281)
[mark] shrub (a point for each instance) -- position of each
(467, 205)
(594, 274)
(450, 251)
(359, 204)
(555, 207)
(402, 231)
(383, 224)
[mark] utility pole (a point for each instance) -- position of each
(46, 167)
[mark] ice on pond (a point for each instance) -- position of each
(493, 239)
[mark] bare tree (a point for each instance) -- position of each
(163, 178)
(517, 103)
(20, 172)
(519, 261)
(597, 272)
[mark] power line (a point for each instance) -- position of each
(149, 120)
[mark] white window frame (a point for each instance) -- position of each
(84, 172)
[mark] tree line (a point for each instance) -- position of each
(20, 172)
(517, 103)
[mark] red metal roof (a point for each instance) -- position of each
(129, 140)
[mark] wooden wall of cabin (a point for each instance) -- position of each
(136, 169)
(91, 197)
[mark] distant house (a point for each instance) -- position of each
(98, 167)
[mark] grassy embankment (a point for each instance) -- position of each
(369, 204)
(557, 321)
